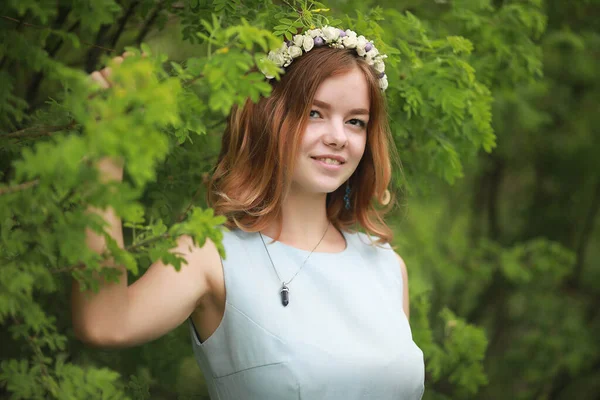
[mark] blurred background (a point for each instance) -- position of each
(495, 110)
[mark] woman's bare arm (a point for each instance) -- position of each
(120, 315)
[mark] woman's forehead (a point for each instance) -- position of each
(348, 90)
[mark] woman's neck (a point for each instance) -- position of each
(304, 221)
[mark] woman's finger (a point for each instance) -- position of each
(118, 60)
(106, 72)
(129, 54)
(102, 77)
(98, 78)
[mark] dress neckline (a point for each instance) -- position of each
(307, 252)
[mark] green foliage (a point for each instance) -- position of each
(464, 349)
(454, 355)
(231, 70)
(452, 66)
(438, 107)
(301, 14)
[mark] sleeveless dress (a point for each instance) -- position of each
(343, 336)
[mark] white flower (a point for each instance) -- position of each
(294, 51)
(334, 38)
(350, 40)
(371, 54)
(330, 33)
(361, 42)
(383, 83)
(308, 43)
(298, 39)
(313, 33)
(287, 59)
(276, 57)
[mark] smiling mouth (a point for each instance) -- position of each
(322, 160)
(330, 167)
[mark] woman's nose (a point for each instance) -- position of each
(336, 134)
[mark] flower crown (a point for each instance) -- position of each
(332, 37)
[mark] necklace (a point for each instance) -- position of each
(285, 291)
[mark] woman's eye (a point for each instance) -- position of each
(358, 122)
(314, 114)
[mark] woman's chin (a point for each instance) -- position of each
(318, 186)
(326, 189)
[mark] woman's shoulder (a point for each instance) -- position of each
(206, 254)
(369, 241)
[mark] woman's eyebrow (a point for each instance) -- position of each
(326, 106)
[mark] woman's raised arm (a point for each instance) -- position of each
(119, 315)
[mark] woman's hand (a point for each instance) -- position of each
(110, 168)
(102, 77)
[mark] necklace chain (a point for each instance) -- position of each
(284, 284)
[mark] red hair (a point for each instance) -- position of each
(261, 141)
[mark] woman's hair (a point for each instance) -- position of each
(261, 142)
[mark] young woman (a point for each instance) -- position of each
(303, 306)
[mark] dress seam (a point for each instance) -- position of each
(256, 323)
(249, 368)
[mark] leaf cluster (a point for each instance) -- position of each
(162, 116)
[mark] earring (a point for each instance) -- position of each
(347, 195)
(386, 198)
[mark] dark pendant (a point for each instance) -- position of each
(285, 295)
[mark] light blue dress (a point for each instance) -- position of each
(343, 336)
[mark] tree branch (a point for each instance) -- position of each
(129, 249)
(20, 24)
(480, 184)
(122, 22)
(101, 37)
(43, 27)
(36, 131)
(149, 22)
(18, 188)
(565, 383)
(93, 54)
(34, 86)
(191, 81)
(586, 233)
(495, 181)
(146, 242)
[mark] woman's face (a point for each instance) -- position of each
(337, 127)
